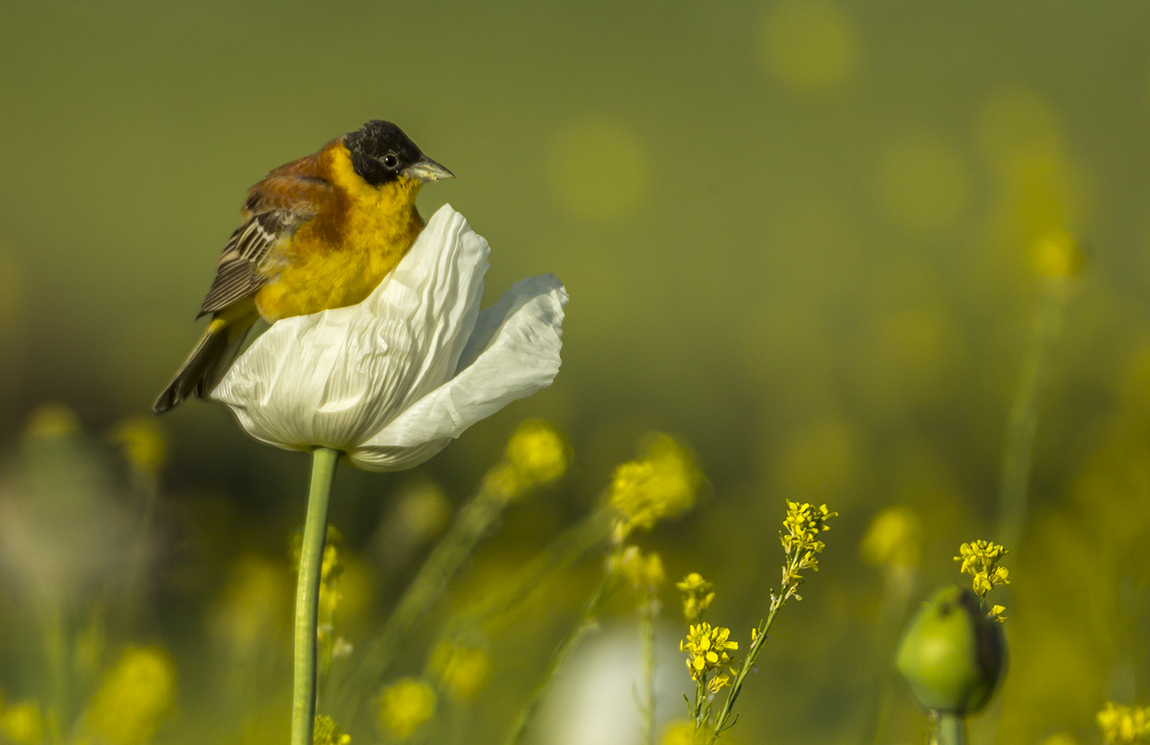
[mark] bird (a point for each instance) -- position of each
(319, 232)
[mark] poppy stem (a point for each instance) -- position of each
(951, 729)
(307, 595)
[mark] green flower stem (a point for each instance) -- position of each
(595, 604)
(777, 602)
(471, 524)
(951, 728)
(1023, 422)
(647, 614)
(307, 595)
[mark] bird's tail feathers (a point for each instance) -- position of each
(213, 354)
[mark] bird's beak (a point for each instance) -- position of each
(425, 169)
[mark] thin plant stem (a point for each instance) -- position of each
(1023, 422)
(951, 729)
(777, 602)
(324, 461)
(647, 621)
(595, 604)
(472, 522)
(499, 607)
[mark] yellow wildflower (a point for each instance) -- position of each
(697, 596)
(22, 724)
(536, 455)
(143, 443)
(405, 706)
(662, 483)
(998, 613)
(893, 538)
(462, 671)
(706, 649)
(327, 732)
(1124, 724)
(802, 525)
(538, 452)
(643, 573)
(980, 559)
(133, 699)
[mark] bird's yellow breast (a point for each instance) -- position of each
(343, 253)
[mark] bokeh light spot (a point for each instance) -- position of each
(923, 183)
(597, 168)
(809, 45)
(1015, 121)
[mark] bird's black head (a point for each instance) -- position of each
(381, 152)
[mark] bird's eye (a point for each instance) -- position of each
(390, 160)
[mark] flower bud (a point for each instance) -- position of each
(951, 655)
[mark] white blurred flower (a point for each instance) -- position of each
(392, 380)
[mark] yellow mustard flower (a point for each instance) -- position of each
(643, 573)
(697, 596)
(133, 700)
(22, 723)
(980, 559)
(661, 483)
(997, 613)
(801, 528)
(1124, 724)
(143, 443)
(462, 671)
(405, 705)
(536, 455)
(706, 647)
(327, 732)
(538, 452)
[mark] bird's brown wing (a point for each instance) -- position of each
(276, 207)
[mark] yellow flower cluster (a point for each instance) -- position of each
(405, 706)
(697, 596)
(327, 732)
(134, 698)
(462, 671)
(706, 649)
(662, 483)
(330, 571)
(537, 455)
(644, 573)
(801, 528)
(1124, 724)
(980, 559)
(22, 723)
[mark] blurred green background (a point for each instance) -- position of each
(799, 234)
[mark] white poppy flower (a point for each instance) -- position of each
(391, 381)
